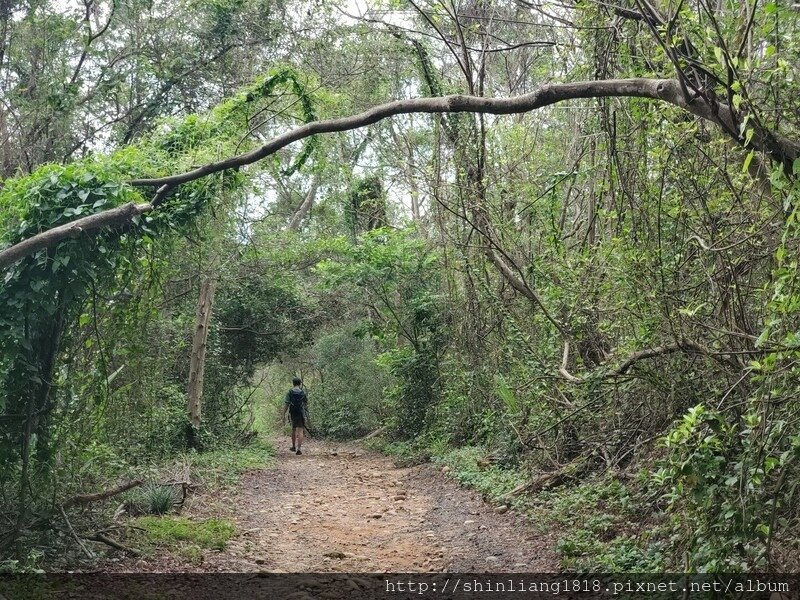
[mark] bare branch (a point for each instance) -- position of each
(685, 345)
(519, 284)
(101, 537)
(88, 498)
(667, 90)
(562, 369)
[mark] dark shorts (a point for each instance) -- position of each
(297, 418)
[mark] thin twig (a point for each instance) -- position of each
(86, 550)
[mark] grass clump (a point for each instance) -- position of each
(467, 466)
(161, 499)
(257, 454)
(152, 499)
(212, 534)
(191, 553)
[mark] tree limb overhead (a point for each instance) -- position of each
(670, 91)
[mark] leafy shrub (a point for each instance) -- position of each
(414, 397)
(149, 421)
(720, 475)
(393, 273)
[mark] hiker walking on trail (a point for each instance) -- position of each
(295, 404)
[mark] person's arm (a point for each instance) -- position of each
(306, 418)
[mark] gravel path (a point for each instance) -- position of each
(339, 508)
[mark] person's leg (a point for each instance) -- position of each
(294, 447)
(299, 437)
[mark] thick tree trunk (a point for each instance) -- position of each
(198, 358)
(37, 410)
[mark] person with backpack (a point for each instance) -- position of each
(295, 404)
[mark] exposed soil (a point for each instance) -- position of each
(339, 508)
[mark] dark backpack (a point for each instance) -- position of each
(296, 399)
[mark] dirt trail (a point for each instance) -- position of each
(339, 508)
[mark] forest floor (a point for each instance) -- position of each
(340, 508)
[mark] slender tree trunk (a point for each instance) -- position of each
(305, 205)
(409, 169)
(198, 358)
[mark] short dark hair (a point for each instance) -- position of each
(297, 381)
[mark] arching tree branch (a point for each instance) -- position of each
(667, 90)
(107, 219)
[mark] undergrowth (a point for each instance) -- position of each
(182, 536)
(491, 480)
(211, 471)
(211, 533)
(222, 467)
(603, 526)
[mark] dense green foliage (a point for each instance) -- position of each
(349, 400)
(79, 324)
(599, 297)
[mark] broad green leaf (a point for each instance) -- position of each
(748, 159)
